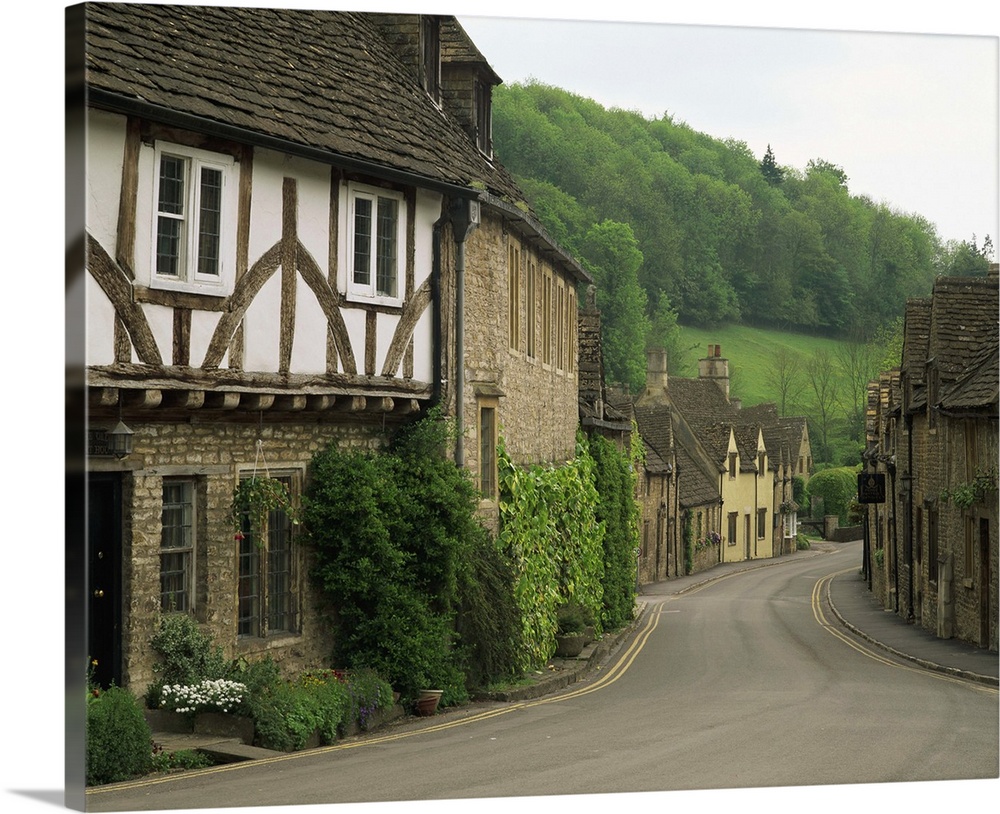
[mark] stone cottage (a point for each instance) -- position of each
(931, 546)
(291, 240)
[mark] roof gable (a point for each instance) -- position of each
(320, 80)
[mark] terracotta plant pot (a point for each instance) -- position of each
(427, 702)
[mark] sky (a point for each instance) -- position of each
(891, 152)
(910, 117)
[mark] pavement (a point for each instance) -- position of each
(851, 602)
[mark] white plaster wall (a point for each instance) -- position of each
(423, 368)
(309, 345)
(263, 328)
(265, 211)
(354, 319)
(428, 210)
(100, 325)
(105, 148)
(161, 323)
(203, 324)
(385, 328)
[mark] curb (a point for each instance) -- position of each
(956, 672)
(572, 670)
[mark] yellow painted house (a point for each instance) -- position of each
(732, 445)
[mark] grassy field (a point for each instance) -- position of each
(749, 351)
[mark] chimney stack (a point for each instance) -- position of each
(656, 374)
(715, 367)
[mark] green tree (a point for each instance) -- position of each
(769, 168)
(824, 388)
(786, 377)
(965, 259)
(665, 332)
(611, 254)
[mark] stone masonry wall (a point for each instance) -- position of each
(538, 412)
(214, 454)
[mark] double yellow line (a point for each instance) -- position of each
(821, 590)
(616, 671)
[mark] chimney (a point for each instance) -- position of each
(715, 367)
(656, 373)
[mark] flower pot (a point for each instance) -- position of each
(427, 702)
(570, 645)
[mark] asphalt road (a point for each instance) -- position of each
(744, 682)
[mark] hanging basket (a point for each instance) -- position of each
(254, 498)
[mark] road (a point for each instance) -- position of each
(743, 682)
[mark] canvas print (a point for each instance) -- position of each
(472, 408)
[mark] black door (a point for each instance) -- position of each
(104, 549)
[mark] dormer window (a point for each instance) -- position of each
(484, 117)
(430, 52)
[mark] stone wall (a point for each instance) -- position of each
(538, 408)
(214, 453)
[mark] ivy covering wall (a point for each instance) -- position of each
(570, 533)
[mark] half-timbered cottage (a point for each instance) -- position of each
(295, 234)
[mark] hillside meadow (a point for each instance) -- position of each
(750, 351)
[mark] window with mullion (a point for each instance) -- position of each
(386, 254)
(188, 218)
(280, 596)
(375, 234)
(266, 594)
(177, 546)
(170, 216)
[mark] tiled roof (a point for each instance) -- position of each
(322, 80)
(694, 488)
(963, 318)
(978, 386)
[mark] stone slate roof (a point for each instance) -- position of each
(955, 330)
(979, 385)
(782, 434)
(963, 317)
(655, 426)
(323, 80)
(457, 47)
(706, 410)
(694, 488)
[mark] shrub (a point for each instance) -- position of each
(119, 745)
(285, 716)
(188, 657)
(572, 617)
(837, 487)
(488, 622)
(617, 510)
(390, 532)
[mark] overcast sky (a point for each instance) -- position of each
(911, 118)
(874, 114)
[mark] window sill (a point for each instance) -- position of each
(195, 299)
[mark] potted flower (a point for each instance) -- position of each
(571, 635)
(254, 498)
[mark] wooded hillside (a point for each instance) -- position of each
(725, 235)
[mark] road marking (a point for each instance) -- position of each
(823, 586)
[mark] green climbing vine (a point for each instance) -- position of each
(966, 494)
(550, 533)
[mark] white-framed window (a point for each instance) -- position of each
(376, 244)
(193, 215)
(177, 546)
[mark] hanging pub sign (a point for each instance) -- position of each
(871, 487)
